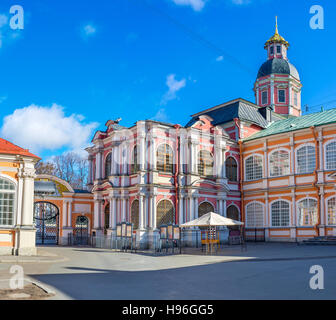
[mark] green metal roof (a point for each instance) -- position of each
(296, 123)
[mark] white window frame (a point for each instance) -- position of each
(295, 98)
(263, 214)
(327, 210)
(262, 167)
(14, 182)
(279, 96)
(289, 213)
(305, 145)
(298, 212)
(325, 155)
(269, 162)
(262, 100)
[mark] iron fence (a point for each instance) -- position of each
(151, 242)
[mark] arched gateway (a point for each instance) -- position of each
(46, 221)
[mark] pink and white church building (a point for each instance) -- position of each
(155, 173)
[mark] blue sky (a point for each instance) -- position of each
(78, 64)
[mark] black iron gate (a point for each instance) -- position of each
(81, 232)
(46, 221)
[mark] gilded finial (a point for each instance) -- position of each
(276, 38)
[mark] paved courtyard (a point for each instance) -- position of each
(263, 271)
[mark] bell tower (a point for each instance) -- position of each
(278, 84)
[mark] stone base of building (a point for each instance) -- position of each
(7, 251)
(25, 242)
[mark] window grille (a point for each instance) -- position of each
(331, 156)
(164, 158)
(332, 211)
(305, 159)
(7, 197)
(280, 214)
(254, 215)
(204, 208)
(253, 168)
(205, 163)
(279, 163)
(307, 214)
(165, 213)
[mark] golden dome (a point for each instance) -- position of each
(276, 38)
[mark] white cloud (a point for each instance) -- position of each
(173, 87)
(197, 5)
(89, 30)
(41, 128)
(161, 115)
(220, 58)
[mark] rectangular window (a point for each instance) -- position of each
(6, 208)
(278, 49)
(264, 97)
(282, 96)
(272, 50)
(295, 98)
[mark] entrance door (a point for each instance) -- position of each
(81, 232)
(46, 221)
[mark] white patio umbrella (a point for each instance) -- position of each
(211, 219)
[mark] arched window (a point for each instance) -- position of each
(7, 196)
(205, 163)
(253, 168)
(332, 211)
(164, 158)
(231, 169)
(307, 215)
(305, 159)
(204, 208)
(108, 164)
(331, 156)
(135, 214)
(164, 213)
(254, 215)
(233, 213)
(280, 213)
(279, 163)
(134, 165)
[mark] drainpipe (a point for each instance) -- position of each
(317, 161)
(241, 176)
(237, 123)
(177, 153)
